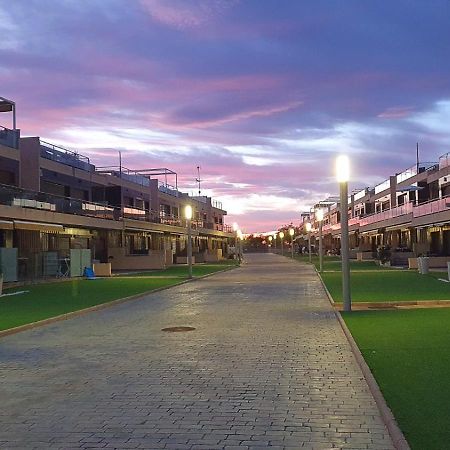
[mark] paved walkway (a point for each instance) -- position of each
(267, 367)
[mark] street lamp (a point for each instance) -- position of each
(270, 241)
(281, 234)
(319, 217)
(291, 233)
(308, 230)
(342, 176)
(188, 217)
(235, 229)
(275, 242)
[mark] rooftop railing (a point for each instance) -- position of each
(9, 138)
(64, 156)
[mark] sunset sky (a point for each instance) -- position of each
(261, 94)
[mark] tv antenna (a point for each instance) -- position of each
(198, 180)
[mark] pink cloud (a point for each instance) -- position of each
(396, 112)
(183, 14)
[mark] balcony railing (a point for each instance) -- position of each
(13, 196)
(398, 211)
(64, 156)
(434, 206)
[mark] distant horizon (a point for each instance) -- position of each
(261, 95)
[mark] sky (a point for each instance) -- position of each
(261, 94)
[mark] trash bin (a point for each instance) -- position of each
(419, 264)
(425, 265)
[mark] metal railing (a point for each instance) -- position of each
(14, 196)
(9, 138)
(65, 156)
(398, 211)
(433, 206)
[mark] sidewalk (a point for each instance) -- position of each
(267, 366)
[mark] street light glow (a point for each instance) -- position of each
(281, 234)
(291, 231)
(235, 226)
(342, 168)
(308, 227)
(270, 238)
(188, 212)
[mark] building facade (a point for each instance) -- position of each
(408, 213)
(58, 212)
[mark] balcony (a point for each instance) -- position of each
(17, 197)
(12, 196)
(431, 207)
(398, 211)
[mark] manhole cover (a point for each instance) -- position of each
(178, 329)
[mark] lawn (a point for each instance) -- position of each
(408, 353)
(198, 270)
(52, 299)
(388, 286)
(333, 263)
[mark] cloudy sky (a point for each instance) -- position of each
(261, 94)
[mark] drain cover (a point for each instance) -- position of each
(178, 329)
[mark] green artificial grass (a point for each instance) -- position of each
(388, 286)
(333, 263)
(198, 270)
(408, 353)
(52, 299)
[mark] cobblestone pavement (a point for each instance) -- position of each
(267, 367)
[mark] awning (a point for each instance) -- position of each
(6, 225)
(37, 226)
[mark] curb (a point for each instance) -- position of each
(82, 312)
(398, 439)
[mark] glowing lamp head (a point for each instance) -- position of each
(319, 214)
(188, 212)
(281, 234)
(342, 169)
(270, 238)
(291, 232)
(308, 227)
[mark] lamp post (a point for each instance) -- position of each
(275, 242)
(235, 229)
(308, 230)
(239, 234)
(343, 175)
(319, 217)
(291, 233)
(188, 216)
(281, 234)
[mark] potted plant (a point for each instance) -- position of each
(384, 255)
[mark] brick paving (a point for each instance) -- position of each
(268, 366)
